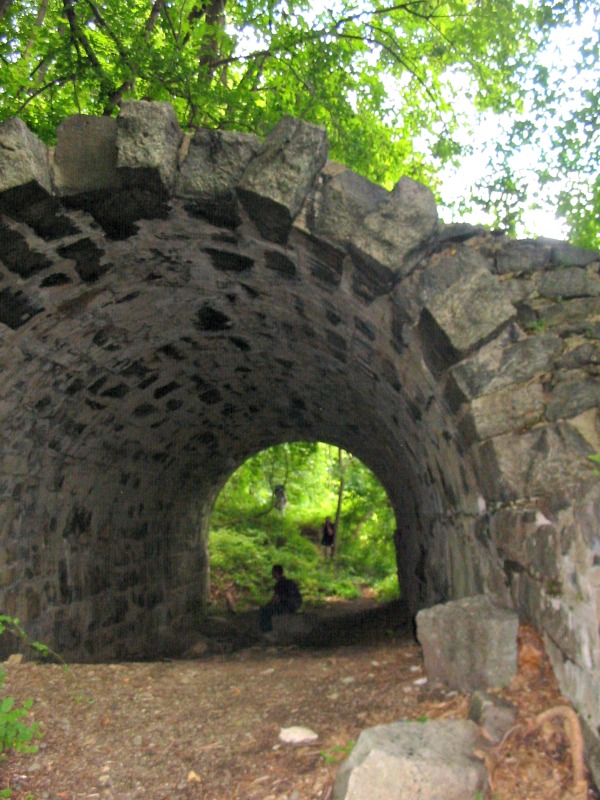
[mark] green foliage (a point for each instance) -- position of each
(394, 83)
(248, 534)
(15, 733)
(337, 752)
(595, 459)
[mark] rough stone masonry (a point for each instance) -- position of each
(171, 304)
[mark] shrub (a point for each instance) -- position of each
(14, 732)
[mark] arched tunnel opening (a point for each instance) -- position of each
(172, 304)
(316, 510)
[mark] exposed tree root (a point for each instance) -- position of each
(572, 729)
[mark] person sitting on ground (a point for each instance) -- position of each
(286, 599)
(328, 538)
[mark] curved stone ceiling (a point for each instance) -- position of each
(171, 304)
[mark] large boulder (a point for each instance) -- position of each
(414, 761)
(469, 644)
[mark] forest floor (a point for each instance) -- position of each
(209, 728)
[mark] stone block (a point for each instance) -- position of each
(471, 310)
(23, 157)
(494, 714)
(568, 283)
(436, 278)
(507, 361)
(343, 198)
(573, 397)
(214, 163)
(148, 140)
(85, 157)
(469, 644)
(566, 255)
(398, 227)
(276, 182)
(538, 463)
(523, 257)
(414, 761)
(288, 628)
(513, 408)
(572, 316)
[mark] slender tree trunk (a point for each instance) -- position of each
(340, 500)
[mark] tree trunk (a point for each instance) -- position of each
(340, 500)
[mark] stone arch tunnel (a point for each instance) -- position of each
(170, 304)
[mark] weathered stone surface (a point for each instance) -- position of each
(586, 354)
(343, 197)
(413, 761)
(523, 257)
(437, 279)
(148, 139)
(494, 714)
(398, 227)
(471, 310)
(572, 397)
(573, 316)
(85, 157)
(214, 163)
(533, 464)
(469, 644)
(506, 362)
(568, 283)
(23, 157)
(275, 184)
(515, 407)
(566, 255)
(525, 537)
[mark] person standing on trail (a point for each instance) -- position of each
(286, 599)
(328, 538)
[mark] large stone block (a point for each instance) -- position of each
(23, 157)
(414, 761)
(343, 198)
(515, 407)
(214, 163)
(506, 361)
(148, 140)
(275, 184)
(573, 397)
(523, 257)
(85, 157)
(471, 310)
(289, 628)
(398, 227)
(538, 463)
(436, 278)
(566, 255)
(568, 282)
(469, 644)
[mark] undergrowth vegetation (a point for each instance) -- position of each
(271, 511)
(15, 732)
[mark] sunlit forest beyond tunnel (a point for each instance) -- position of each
(273, 509)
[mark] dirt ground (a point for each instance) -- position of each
(209, 728)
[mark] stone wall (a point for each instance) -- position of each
(172, 304)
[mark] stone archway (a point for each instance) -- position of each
(170, 305)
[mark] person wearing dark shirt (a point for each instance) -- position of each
(286, 599)
(328, 538)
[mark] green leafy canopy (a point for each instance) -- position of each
(393, 82)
